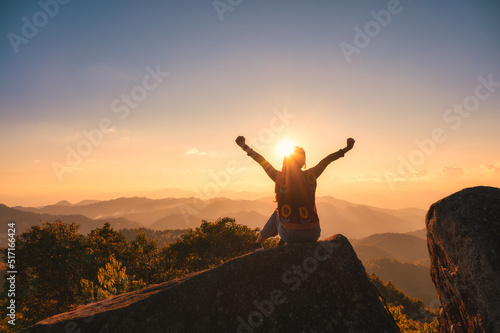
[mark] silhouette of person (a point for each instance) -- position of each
(295, 219)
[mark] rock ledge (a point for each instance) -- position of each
(312, 287)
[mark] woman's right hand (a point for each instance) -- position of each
(240, 141)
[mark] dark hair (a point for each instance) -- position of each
(298, 156)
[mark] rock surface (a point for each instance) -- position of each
(463, 238)
(312, 287)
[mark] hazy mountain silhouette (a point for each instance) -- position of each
(400, 258)
(26, 219)
(413, 280)
(64, 203)
(401, 247)
(136, 209)
(359, 221)
(370, 252)
(337, 216)
(180, 221)
(422, 233)
(86, 202)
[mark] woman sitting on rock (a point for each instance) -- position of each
(295, 219)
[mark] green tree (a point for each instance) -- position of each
(49, 269)
(161, 236)
(112, 280)
(410, 314)
(101, 244)
(207, 246)
(408, 325)
(144, 259)
(414, 308)
(60, 268)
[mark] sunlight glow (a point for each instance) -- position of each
(285, 147)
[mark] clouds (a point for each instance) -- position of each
(211, 153)
(491, 168)
(452, 172)
(194, 151)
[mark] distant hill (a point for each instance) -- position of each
(26, 219)
(400, 258)
(413, 307)
(422, 233)
(252, 219)
(413, 280)
(135, 208)
(366, 252)
(401, 247)
(360, 220)
(86, 202)
(337, 216)
(63, 203)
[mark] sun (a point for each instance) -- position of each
(285, 147)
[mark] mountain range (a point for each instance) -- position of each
(390, 243)
(414, 280)
(24, 219)
(402, 259)
(337, 216)
(400, 247)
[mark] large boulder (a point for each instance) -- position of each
(463, 238)
(312, 287)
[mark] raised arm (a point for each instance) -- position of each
(268, 168)
(321, 166)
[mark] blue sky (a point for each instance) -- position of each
(225, 78)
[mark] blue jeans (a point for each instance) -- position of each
(274, 227)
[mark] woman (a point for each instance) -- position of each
(295, 219)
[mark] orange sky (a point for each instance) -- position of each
(147, 98)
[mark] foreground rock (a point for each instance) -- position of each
(313, 287)
(463, 237)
